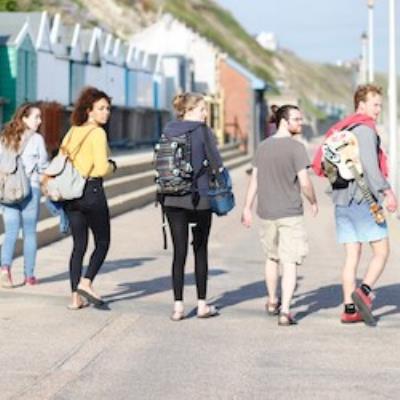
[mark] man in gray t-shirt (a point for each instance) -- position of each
(279, 159)
(279, 177)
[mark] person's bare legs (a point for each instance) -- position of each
(349, 273)
(271, 280)
(381, 250)
(288, 285)
(362, 296)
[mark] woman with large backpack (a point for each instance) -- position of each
(21, 141)
(191, 209)
(86, 142)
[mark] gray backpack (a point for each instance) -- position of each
(14, 182)
(61, 180)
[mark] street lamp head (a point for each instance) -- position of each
(364, 36)
(371, 3)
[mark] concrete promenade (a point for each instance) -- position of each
(133, 350)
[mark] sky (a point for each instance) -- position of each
(319, 30)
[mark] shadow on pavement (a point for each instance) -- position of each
(319, 299)
(244, 293)
(331, 297)
(108, 266)
(388, 296)
(251, 291)
(134, 290)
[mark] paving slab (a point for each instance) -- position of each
(133, 350)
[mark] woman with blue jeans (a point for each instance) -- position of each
(21, 135)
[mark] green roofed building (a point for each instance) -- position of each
(18, 65)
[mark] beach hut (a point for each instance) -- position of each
(131, 76)
(76, 62)
(144, 88)
(114, 55)
(18, 64)
(153, 64)
(95, 69)
(60, 62)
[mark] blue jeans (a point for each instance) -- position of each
(28, 212)
(56, 209)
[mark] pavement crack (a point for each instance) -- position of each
(80, 357)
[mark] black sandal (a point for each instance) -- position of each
(90, 298)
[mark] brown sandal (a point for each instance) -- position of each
(285, 319)
(273, 308)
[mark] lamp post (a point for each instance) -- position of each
(371, 40)
(392, 95)
(363, 59)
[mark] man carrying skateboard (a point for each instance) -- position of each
(355, 223)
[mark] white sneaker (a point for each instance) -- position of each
(5, 278)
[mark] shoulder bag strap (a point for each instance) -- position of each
(78, 147)
(215, 167)
(209, 151)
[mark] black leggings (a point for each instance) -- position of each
(88, 212)
(179, 219)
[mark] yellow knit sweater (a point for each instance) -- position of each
(91, 157)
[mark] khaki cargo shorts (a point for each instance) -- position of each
(284, 239)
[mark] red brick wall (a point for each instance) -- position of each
(237, 102)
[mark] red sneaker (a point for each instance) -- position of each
(350, 318)
(31, 280)
(364, 305)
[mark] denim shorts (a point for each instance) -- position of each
(354, 223)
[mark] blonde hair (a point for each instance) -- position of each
(184, 102)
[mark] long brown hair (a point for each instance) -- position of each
(88, 96)
(12, 133)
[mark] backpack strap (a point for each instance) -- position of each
(164, 227)
(351, 127)
(160, 200)
(24, 144)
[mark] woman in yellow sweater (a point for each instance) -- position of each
(87, 141)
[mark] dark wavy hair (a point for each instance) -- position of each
(13, 131)
(88, 96)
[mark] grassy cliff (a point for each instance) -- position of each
(311, 82)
